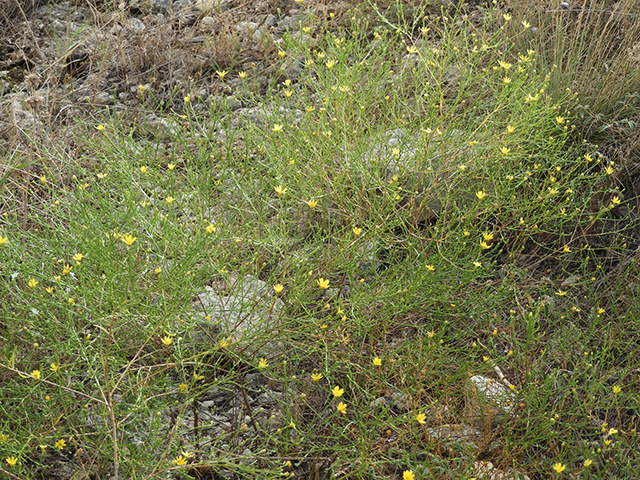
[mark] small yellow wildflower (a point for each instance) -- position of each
(169, 200)
(263, 363)
(167, 340)
(143, 169)
(560, 120)
(128, 239)
(330, 64)
(70, 300)
(612, 431)
(54, 367)
(510, 129)
(281, 54)
(337, 391)
(587, 463)
(421, 418)
(480, 195)
(408, 475)
(11, 461)
(566, 249)
(558, 467)
(357, 231)
(32, 283)
(431, 268)
(3, 240)
(102, 128)
(60, 444)
(506, 17)
(278, 288)
(67, 269)
(477, 264)
(180, 460)
(377, 361)
(279, 190)
(316, 377)
(36, 374)
(484, 245)
(322, 283)
(77, 257)
(615, 201)
(506, 80)
(526, 24)
(617, 389)
(312, 203)
(221, 74)
(342, 408)
(561, 293)
(211, 228)
(187, 99)
(609, 170)
(505, 150)
(242, 75)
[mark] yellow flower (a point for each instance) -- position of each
(587, 462)
(357, 231)
(609, 170)
(322, 283)
(561, 293)
(431, 268)
(242, 75)
(510, 129)
(487, 236)
(180, 460)
(566, 249)
(342, 408)
(77, 257)
(337, 391)
(281, 54)
(408, 475)
(421, 418)
(477, 264)
(506, 17)
(558, 467)
(211, 228)
(102, 128)
(588, 157)
(263, 363)
(612, 431)
(167, 340)
(43, 179)
(70, 300)
(615, 201)
(3, 240)
(526, 24)
(279, 190)
(11, 461)
(32, 283)
(169, 200)
(480, 195)
(54, 367)
(67, 269)
(158, 270)
(505, 150)
(412, 49)
(330, 64)
(506, 80)
(278, 288)
(171, 166)
(377, 361)
(143, 169)
(60, 444)
(617, 389)
(221, 74)
(187, 99)
(182, 387)
(560, 120)
(312, 203)
(484, 245)
(128, 239)
(49, 290)
(316, 377)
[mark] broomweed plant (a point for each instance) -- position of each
(419, 208)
